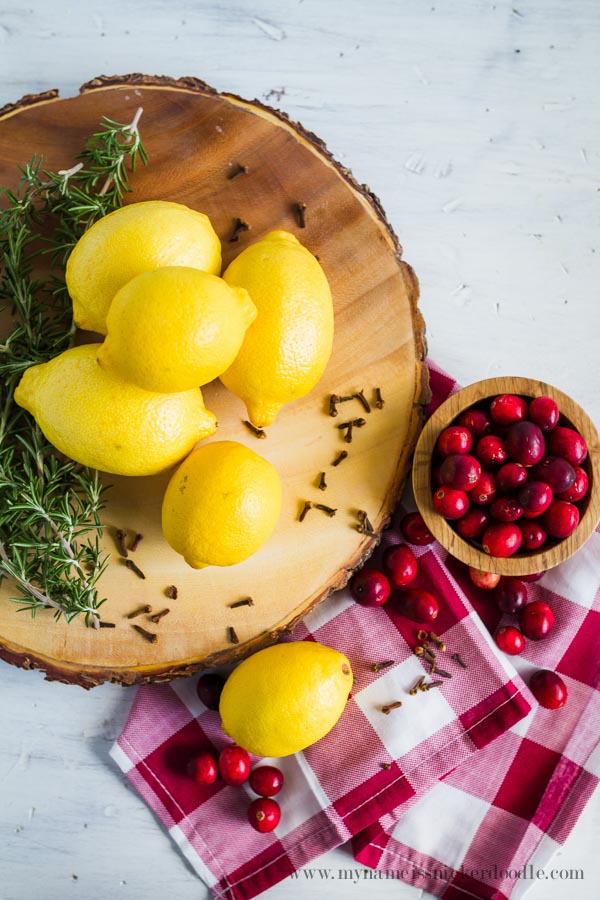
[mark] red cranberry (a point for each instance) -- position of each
(491, 450)
(506, 509)
(535, 497)
(544, 412)
(533, 535)
(449, 503)
(561, 519)
(266, 780)
(556, 472)
(487, 581)
(209, 689)
(477, 421)
(415, 530)
(400, 565)
(569, 444)
(454, 439)
(536, 620)
(460, 471)
(502, 539)
(203, 768)
(578, 489)
(510, 595)
(533, 576)
(234, 764)
(484, 491)
(418, 605)
(510, 476)
(548, 688)
(526, 443)
(370, 587)
(508, 408)
(510, 640)
(264, 814)
(472, 525)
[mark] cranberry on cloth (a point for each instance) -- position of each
(447, 791)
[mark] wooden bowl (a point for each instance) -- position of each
(196, 138)
(523, 562)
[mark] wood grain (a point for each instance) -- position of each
(195, 139)
(523, 562)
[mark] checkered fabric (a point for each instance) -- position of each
(466, 777)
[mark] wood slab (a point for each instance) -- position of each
(195, 138)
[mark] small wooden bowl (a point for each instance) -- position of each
(524, 562)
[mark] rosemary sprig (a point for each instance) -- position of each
(50, 506)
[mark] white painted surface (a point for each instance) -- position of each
(477, 124)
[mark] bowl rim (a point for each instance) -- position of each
(530, 561)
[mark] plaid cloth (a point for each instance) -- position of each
(466, 778)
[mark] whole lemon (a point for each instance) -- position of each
(221, 505)
(134, 239)
(286, 349)
(101, 421)
(175, 328)
(285, 698)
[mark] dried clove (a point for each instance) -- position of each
(158, 616)
(458, 658)
(139, 612)
(334, 399)
(239, 170)
(147, 635)
(342, 455)
(360, 395)
(322, 483)
(364, 522)
(171, 592)
(439, 643)
(442, 673)
(258, 432)
(107, 624)
(301, 212)
(232, 635)
(131, 565)
(379, 401)
(386, 766)
(422, 635)
(134, 544)
(120, 538)
(238, 228)
(433, 684)
(247, 601)
(417, 686)
(307, 505)
(390, 706)
(377, 667)
(326, 509)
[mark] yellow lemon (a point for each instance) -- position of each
(175, 328)
(101, 421)
(221, 505)
(134, 239)
(285, 698)
(287, 348)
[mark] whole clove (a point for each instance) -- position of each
(386, 766)
(238, 228)
(433, 684)
(334, 399)
(307, 505)
(458, 658)
(360, 395)
(326, 509)
(247, 601)
(417, 686)
(139, 611)
(232, 635)
(258, 432)
(135, 542)
(301, 212)
(377, 667)
(131, 565)
(239, 170)
(342, 455)
(104, 624)
(322, 483)
(120, 538)
(442, 673)
(158, 616)
(147, 635)
(171, 592)
(379, 401)
(390, 706)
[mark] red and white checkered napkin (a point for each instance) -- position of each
(422, 788)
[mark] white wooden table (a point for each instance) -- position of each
(477, 123)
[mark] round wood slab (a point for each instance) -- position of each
(196, 139)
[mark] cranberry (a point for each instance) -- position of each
(508, 408)
(544, 412)
(418, 605)
(472, 525)
(510, 595)
(449, 503)
(460, 471)
(264, 814)
(506, 509)
(536, 620)
(561, 519)
(526, 443)
(484, 491)
(569, 444)
(548, 688)
(203, 768)
(476, 421)
(234, 765)
(510, 640)
(369, 587)
(487, 581)
(533, 535)
(266, 780)
(556, 472)
(535, 497)
(502, 539)
(533, 576)
(510, 476)
(491, 450)
(400, 565)
(454, 439)
(209, 689)
(415, 530)
(578, 489)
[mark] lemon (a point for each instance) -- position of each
(134, 239)
(221, 505)
(285, 698)
(287, 348)
(101, 421)
(175, 328)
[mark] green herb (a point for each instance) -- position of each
(50, 527)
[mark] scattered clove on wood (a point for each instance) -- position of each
(238, 228)
(322, 483)
(326, 509)
(301, 213)
(379, 401)
(258, 432)
(158, 616)
(307, 505)
(135, 542)
(120, 538)
(140, 611)
(360, 395)
(104, 624)
(171, 592)
(147, 635)
(342, 455)
(131, 565)
(232, 635)
(247, 601)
